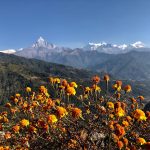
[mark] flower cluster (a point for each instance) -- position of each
(68, 116)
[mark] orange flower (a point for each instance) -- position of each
(24, 122)
(64, 83)
(7, 135)
(35, 103)
(18, 95)
(127, 88)
(116, 87)
(117, 105)
(32, 129)
(87, 89)
(61, 111)
(70, 91)
(96, 79)
(106, 78)
(139, 115)
(73, 84)
(42, 89)
(56, 80)
(119, 130)
(125, 123)
(28, 89)
(120, 112)
(96, 88)
(120, 144)
(125, 141)
(118, 95)
(128, 118)
(50, 102)
(119, 83)
(16, 128)
(115, 137)
(133, 100)
(52, 119)
(76, 112)
(140, 141)
(141, 97)
(8, 105)
(110, 105)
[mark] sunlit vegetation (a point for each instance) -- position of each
(74, 116)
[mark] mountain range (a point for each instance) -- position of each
(131, 62)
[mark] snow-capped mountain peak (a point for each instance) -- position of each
(113, 48)
(8, 51)
(41, 42)
(123, 46)
(138, 44)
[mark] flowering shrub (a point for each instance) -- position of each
(101, 120)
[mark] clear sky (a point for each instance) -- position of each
(73, 23)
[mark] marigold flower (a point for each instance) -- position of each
(110, 105)
(111, 116)
(128, 118)
(127, 88)
(76, 112)
(119, 112)
(42, 89)
(7, 135)
(87, 89)
(28, 89)
(73, 84)
(141, 97)
(133, 100)
(70, 91)
(139, 115)
(13, 110)
(32, 129)
(96, 88)
(125, 141)
(8, 105)
(64, 83)
(117, 105)
(118, 95)
(16, 128)
(96, 79)
(50, 102)
(52, 119)
(106, 78)
(119, 83)
(5, 119)
(56, 80)
(123, 105)
(119, 130)
(120, 144)
(61, 111)
(35, 103)
(111, 127)
(17, 95)
(46, 127)
(24, 122)
(115, 137)
(116, 87)
(125, 123)
(140, 141)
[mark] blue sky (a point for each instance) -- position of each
(73, 23)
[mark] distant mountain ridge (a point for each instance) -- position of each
(123, 61)
(100, 47)
(18, 73)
